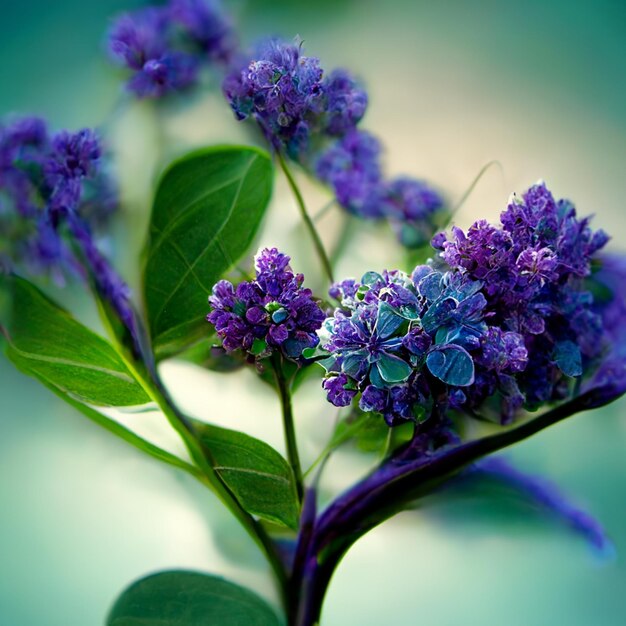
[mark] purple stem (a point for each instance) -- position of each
(399, 481)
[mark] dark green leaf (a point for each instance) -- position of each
(181, 598)
(451, 364)
(207, 209)
(46, 342)
(259, 476)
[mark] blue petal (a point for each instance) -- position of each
(376, 380)
(355, 364)
(387, 320)
(451, 364)
(568, 358)
(393, 369)
(431, 286)
(371, 278)
(438, 314)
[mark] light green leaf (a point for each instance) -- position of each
(182, 598)
(46, 342)
(206, 212)
(260, 478)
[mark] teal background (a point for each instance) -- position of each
(541, 87)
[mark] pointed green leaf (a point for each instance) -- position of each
(207, 209)
(46, 342)
(259, 476)
(183, 598)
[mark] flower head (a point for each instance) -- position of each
(412, 207)
(272, 312)
(204, 23)
(351, 166)
(165, 46)
(283, 91)
(504, 319)
(402, 340)
(295, 105)
(346, 102)
(142, 42)
(533, 267)
(42, 180)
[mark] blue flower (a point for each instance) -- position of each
(397, 339)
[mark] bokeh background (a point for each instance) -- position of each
(541, 88)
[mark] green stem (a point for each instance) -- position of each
(320, 214)
(203, 458)
(306, 218)
(148, 377)
(345, 234)
(291, 444)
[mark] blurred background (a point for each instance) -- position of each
(539, 87)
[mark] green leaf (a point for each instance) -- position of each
(260, 478)
(182, 598)
(207, 209)
(44, 341)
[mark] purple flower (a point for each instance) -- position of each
(504, 319)
(532, 268)
(271, 312)
(610, 305)
(73, 157)
(42, 179)
(412, 207)
(400, 341)
(204, 22)
(142, 41)
(351, 166)
(283, 91)
(338, 390)
(346, 102)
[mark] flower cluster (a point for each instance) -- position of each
(271, 313)
(609, 303)
(533, 268)
(402, 343)
(501, 320)
(291, 100)
(53, 190)
(43, 180)
(313, 119)
(165, 46)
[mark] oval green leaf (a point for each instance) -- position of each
(45, 341)
(183, 598)
(207, 209)
(258, 476)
